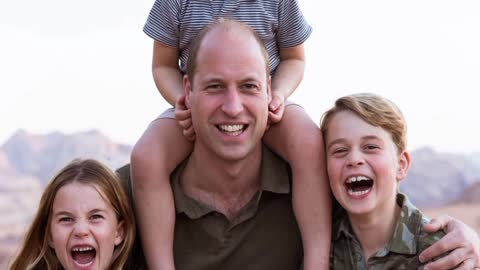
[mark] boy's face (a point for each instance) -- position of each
(363, 164)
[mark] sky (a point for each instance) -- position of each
(80, 65)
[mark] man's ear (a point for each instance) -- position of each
(404, 163)
(187, 87)
(269, 88)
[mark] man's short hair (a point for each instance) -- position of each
(225, 25)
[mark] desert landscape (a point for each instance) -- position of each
(438, 183)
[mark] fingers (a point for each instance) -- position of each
(274, 118)
(181, 115)
(276, 102)
(461, 241)
(456, 258)
(189, 133)
(181, 103)
(438, 223)
(466, 265)
(185, 124)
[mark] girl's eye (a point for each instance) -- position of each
(96, 217)
(65, 219)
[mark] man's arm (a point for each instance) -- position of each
(461, 240)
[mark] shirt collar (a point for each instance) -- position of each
(275, 177)
(403, 241)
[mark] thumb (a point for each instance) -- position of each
(275, 103)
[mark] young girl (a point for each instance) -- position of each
(84, 221)
(280, 24)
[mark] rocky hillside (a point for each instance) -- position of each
(41, 156)
(436, 179)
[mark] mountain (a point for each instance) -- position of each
(436, 179)
(41, 156)
(28, 161)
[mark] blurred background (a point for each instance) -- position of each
(75, 81)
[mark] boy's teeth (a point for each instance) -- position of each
(358, 193)
(356, 178)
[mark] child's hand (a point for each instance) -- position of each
(276, 108)
(184, 118)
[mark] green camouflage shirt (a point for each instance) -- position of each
(408, 241)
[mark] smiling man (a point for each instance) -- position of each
(233, 195)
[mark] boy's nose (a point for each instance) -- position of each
(355, 158)
(232, 104)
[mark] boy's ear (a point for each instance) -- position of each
(187, 87)
(404, 163)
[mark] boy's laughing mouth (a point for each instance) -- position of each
(358, 185)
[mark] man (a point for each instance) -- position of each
(232, 195)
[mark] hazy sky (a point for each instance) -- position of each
(80, 65)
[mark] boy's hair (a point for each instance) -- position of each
(36, 253)
(226, 25)
(375, 110)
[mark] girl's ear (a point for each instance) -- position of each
(120, 233)
(404, 163)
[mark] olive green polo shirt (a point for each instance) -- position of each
(264, 235)
(408, 241)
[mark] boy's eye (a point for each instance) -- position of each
(371, 147)
(338, 151)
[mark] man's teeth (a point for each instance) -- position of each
(234, 130)
(357, 178)
(82, 249)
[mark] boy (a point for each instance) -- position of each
(378, 228)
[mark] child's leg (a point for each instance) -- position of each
(299, 140)
(154, 157)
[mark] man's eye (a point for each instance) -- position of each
(214, 86)
(250, 86)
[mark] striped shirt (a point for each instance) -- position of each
(279, 23)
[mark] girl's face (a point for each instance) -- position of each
(84, 229)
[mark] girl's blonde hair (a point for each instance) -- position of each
(36, 253)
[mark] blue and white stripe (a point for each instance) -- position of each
(279, 23)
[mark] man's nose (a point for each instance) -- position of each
(233, 103)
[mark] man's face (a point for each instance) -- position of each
(228, 96)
